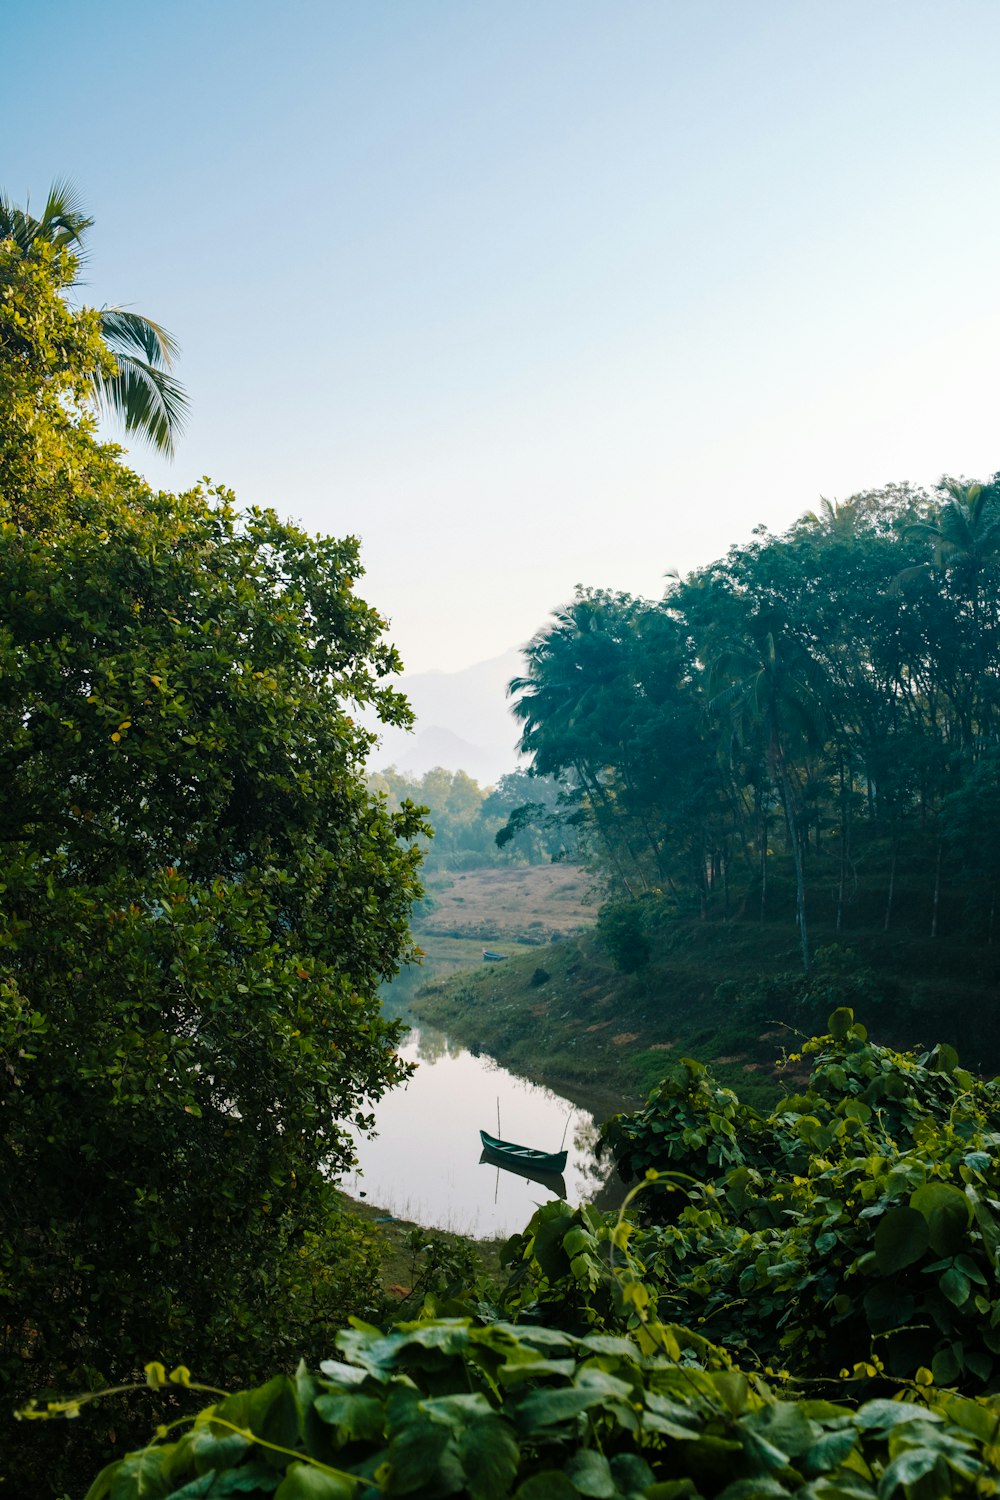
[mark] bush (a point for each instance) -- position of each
(864, 1210)
(446, 1407)
(622, 931)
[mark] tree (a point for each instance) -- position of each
(140, 390)
(198, 900)
(766, 689)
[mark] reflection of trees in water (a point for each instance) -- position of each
(593, 1169)
(433, 1045)
(397, 995)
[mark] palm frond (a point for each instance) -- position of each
(130, 333)
(146, 400)
(63, 220)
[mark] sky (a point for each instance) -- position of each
(528, 294)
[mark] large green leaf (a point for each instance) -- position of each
(948, 1214)
(354, 1417)
(422, 1457)
(489, 1455)
(901, 1238)
(549, 1484)
(304, 1482)
(591, 1474)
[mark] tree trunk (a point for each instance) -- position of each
(612, 852)
(763, 866)
(800, 884)
(844, 835)
(937, 890)
(892, 885)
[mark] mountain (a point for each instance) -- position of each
(463, 723)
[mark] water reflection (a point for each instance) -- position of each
(425, 1164)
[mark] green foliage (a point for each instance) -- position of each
(836, 977)
(135, 385)
(622, 931)
(865, 1210)
(446, 1407)
(198, 900)
(806, 726)
(475, 826)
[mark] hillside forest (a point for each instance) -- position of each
(808, 727)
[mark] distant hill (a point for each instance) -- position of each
(463, 723)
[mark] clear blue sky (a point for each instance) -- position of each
(527, 293)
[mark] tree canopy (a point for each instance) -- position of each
(198, 896)
(822, 696)
(137, 388)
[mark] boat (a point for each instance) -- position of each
(509, 1154)
(490, 956)
(555, 1182)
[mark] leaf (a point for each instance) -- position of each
(948, 1214)
(548, 1485)
(101, 1487)
(946, 1366)
(759, 1488)
(956, 1286)
(543, 1409)
(881, 1415)
(901, 1238)
(217, 1450)
(419, 1459)
(343, 1374)
(354, 1417)
(906, 1469)
(978, 1161)
(591, 1474)
(304, 1482)
(887, 1305)
(829, 1451)
(732, 1386)
(489, 1455)
(786, 1426)
(632, 1475)
(840, 1023)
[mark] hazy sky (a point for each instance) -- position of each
(531, 293)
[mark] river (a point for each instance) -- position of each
(424, 1164)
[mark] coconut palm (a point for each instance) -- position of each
(765, 688)
(142, 394)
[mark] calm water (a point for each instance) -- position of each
(424, 1163)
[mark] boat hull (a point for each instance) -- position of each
(508, 1153)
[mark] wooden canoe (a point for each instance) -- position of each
(508, 1153)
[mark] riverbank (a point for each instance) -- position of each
(728, 992)
(401, 1258)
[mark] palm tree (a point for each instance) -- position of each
(142, 394)
(765, 688)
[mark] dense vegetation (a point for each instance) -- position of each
(830, 696)
(805, 1305)
(200, 895)
(465, 819)
(198, 902)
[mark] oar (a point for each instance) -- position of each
(566, 1127)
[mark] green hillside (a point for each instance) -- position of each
(727, 991)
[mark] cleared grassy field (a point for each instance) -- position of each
(520, 904)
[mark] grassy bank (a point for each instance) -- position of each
(565, 1016)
